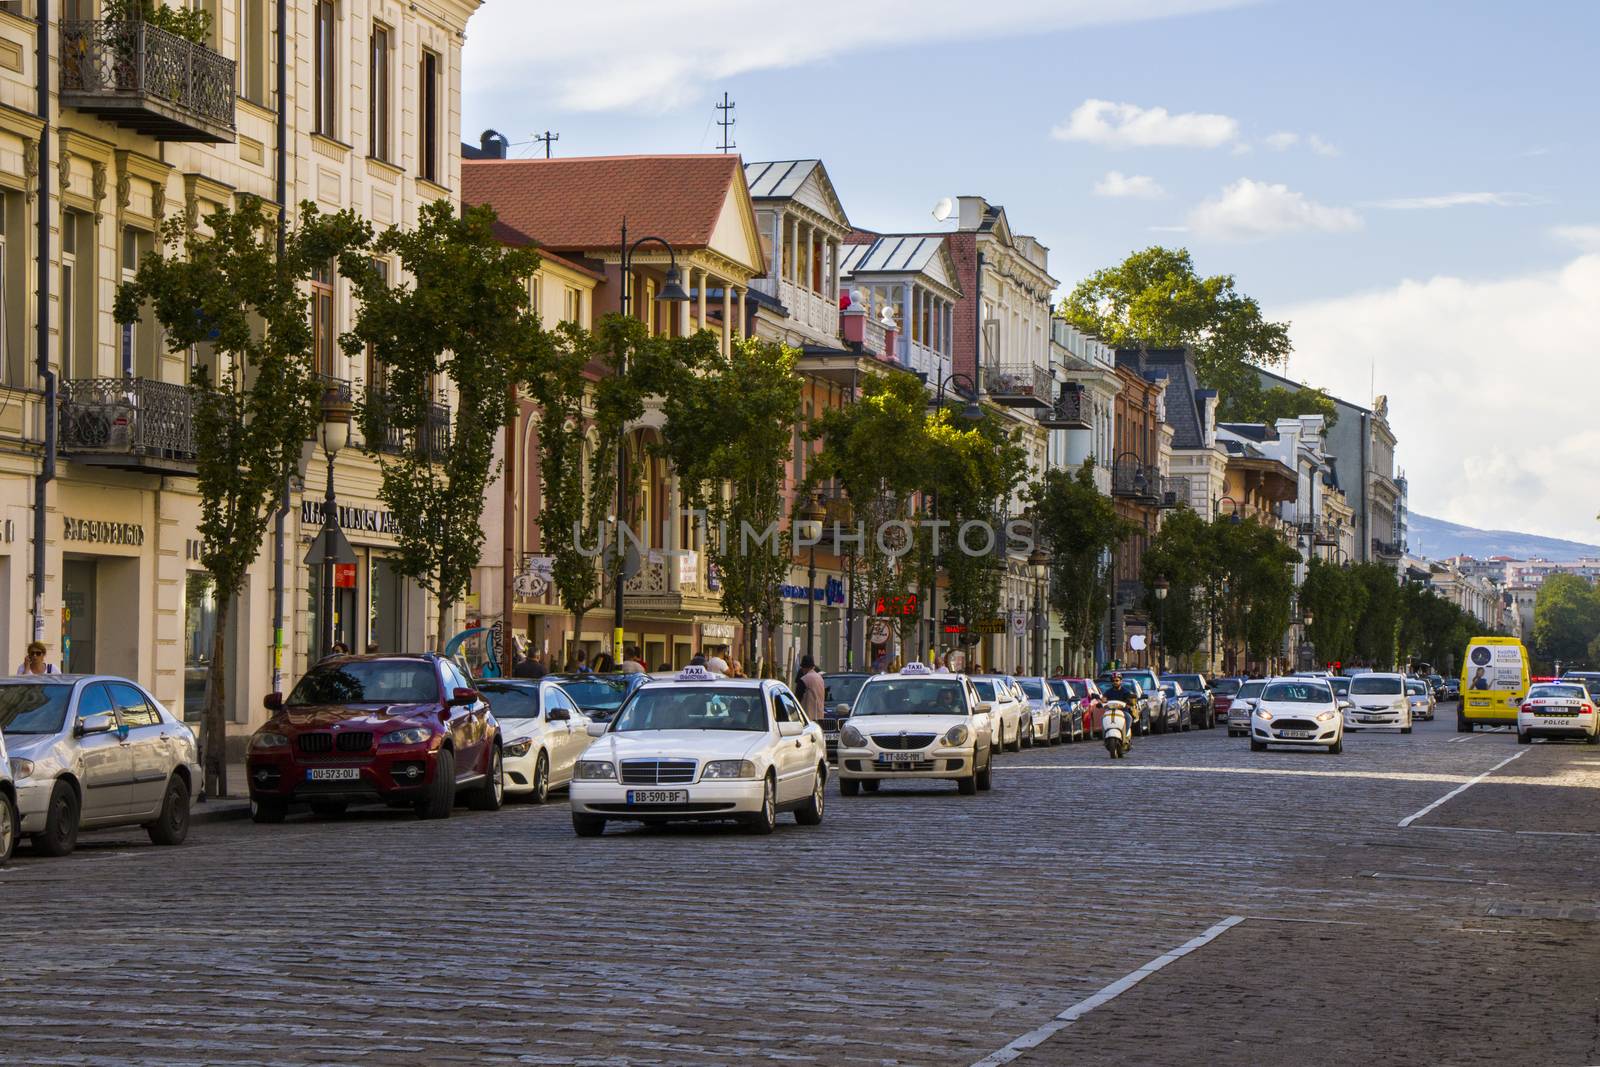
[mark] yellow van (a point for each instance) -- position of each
(1494, 676)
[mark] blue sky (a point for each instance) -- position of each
(1388, 176)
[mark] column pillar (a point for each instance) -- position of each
(739, 318)
(700, 293)
(727, 317)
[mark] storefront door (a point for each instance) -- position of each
(199, 632)
(386, 614)
(78, 579)
(344, 609)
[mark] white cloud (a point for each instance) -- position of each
(1282, 140)
(643, 54)
(1479, 376)
(1116, 125)
(1444, 200)
(1249, 210)
(1321, 147)
(1133, 186)
(1585, 238)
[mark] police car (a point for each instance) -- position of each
(702, 747)
(1557, 709)
(916, 724)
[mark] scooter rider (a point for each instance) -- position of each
(1120, 690)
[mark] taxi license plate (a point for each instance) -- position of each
(902, 757)
(333, 774)
(658, 796)
(1296, 733)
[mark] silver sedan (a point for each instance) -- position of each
(94, 751)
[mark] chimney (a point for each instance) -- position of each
(972, 212)
(493, 144)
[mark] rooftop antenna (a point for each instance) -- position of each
(547, 137)
(727, 122)
(944, 209)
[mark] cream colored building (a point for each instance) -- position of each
(138, 127)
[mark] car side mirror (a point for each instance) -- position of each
(99, 723)
(1345, 705)
(841, 711)
(558, 715)
(272, 701)
(460, 697)
(984, 707)
(595, 729)
(790, 728)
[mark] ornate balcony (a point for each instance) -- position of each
(394, 439)
(1386, 550)
(1019, 385)
(147, 79)
(136, 424)
(1174, 491)
(1068, 413)
(1136, 481)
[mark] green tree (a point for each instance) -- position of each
(1183, 553)
(1278, 403)
(465, 313)
(254, 404)
(1378, 632)
(1336, 600)
(1259, 569)
(1079, 528)
(1566, 617)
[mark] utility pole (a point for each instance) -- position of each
(547, 137)
(727, 122)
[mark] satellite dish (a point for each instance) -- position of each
(944, 208)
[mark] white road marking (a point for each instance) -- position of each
(1034, 1038)
(1463, 787)
(1479, 733)
(1519, 833)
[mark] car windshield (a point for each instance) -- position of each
(842, 688)
(693, 707)
(1064, 689)
(376, 681)
(1169, 688)
(1032, 687)
(1341, 686)
(912, 696)
(1417, 689)
(1225, 687)
(1558, 692)
(1297, 693)
(1371, 686)
(1145, 679)
(33, 709)
(511, 701)
(1188, 681)
(984, 687)
(595, 692)
(1249, 690)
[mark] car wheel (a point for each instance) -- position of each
(968, 786)
(492, 793)
(588, 825)
(1405, 729)
(766, 820)
(849, 787)
(1257, 746)
(60, 834)
(441, 795)
(871, 784)
(268, 811)
(986, 776)
(329, 809)
(1016, 739)
(172, 824)
(810, 813)
(1336, 748)
(9, 822)
(541, 780)
(1463, 724)
(1524, 738)
(1592, 739)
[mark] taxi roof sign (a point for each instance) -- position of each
(695, 673)
(916, 666)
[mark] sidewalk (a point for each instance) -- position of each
(236, 805)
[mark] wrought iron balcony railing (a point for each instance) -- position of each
(1135, 480)
(147, 79)
(1069, 412)
(1174, 491)
(395, 439)
(131, 423)
(1019, 385)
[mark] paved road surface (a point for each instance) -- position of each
(913, 927)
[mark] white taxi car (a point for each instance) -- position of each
(702, 747)
(1378, 701)
(916, 724)
(1555, 709)
(1299, 711)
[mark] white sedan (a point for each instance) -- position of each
(1378, 701)
(1302, 712)
(542, 734)
(916, 724)
(1552, 709)
(702, 747)
(1009, 710)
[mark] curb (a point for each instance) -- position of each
(226, 809)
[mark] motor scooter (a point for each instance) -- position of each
(1118, 729)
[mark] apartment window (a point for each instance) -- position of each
(138, 355)
(327, 70)
(378, 93)
(572, 310)
(77, 294)
(375, 375)
(428, 102)
(253, 46)
(322, 324)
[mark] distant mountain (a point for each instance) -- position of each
(1436, 539)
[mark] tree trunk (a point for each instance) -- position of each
(577, 635)
(443, 635)
(213, 726)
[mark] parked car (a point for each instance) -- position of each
(1558, 709)
(702, 747)
(1050, 720)
(1341, 686)
(1244, 702)
(916, 725)
(1174, 705)
(1202, 701)
(1421, 697)
(597, 695)
(542, 733)
(1378, 700)
(1222, 694)
(1084, 693)
(396, 728)
(1298, 711)
(1008, 710)
(87, 752)
(9, 831)
(1436, 686)
(1150, 717)
(838, 694)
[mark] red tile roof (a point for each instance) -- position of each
(579, 203)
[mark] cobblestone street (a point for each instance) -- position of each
(914, 926)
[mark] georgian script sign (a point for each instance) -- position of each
(102, 533)
(365, 520)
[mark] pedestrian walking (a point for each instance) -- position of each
(632, 663)
(812, 690)
(716, 663)
(603, 663)
(34, 661)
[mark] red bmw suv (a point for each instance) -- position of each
(404, 729)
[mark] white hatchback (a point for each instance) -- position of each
(916, 724)
(1297, 711)
(1378, 701)
(1007, 706)
(702, 747)
(1553, 709)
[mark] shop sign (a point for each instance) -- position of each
(989, 626)
(830, 594)
(344, 575)
(716, 631)
(688, 567)
(897, 605)
(1019, 623)
(361, 520)
(102, 533)
(880, 632)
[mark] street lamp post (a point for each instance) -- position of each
(1039, 564)
(811, 516)
(335, 435)
(972, 412)
(1161, 587)
(671, 292)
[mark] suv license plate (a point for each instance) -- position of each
(333, 774)
(902, 757)
(1299, 734)
(658, 796)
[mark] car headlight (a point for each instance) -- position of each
(852, 737)
(21, 768)
(1327, 716)
(728, 768)
(264, 739)
(519, 748)
(593, 770)
(413, 735)
(1264, 716)
(956, 736)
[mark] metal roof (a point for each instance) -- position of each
(891, 254)
(779, 179)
